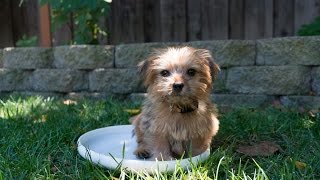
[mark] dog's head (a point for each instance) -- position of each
(179, 74)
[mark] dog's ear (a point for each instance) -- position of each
(143, 67)
(214, 67)
(145, 70)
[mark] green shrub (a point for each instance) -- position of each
(27, 41)
(310, 29)
(85, 14)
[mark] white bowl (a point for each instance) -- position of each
(113, 146)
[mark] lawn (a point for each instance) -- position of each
(38, 141)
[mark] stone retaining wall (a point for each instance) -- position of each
(253, 73)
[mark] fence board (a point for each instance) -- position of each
(284, 18)
(6, 35)
(205, 20)
(257, 18)
(173, 20)
(25, 19)
(151, 14)
(252, 9)
(45, 26)
(305, 12)
(133, 21)
(236, 20)
(193, 20)
(220, 17)
(104, 24)
(214, 19)
(127, 21)
(268, 25)
(63, 35)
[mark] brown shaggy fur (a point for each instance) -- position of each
(178, 116)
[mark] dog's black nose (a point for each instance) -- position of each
(177, 86)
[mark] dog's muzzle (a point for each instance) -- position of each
(177, 87)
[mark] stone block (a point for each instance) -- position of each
(27, 58)
(229, 52)
(226, 53)
(129, 55)
(35, 93)
(14, 80)
(84, 57)
(1, 58)
(87, 95)
(301, 101)
(219, 85)
(59, 80)
(115, 81)
(223, 100)
(315, 76)
(137, 97)
(241, 100)
(289, 51)
(270, 80)
(4, 95)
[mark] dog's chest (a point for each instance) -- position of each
(183, 126)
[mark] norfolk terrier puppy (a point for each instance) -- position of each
(178, 117)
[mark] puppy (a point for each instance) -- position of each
(178, 117)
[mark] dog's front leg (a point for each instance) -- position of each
(199, 145)
(161, 149)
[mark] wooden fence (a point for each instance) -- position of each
(17, 21)
(175, 20)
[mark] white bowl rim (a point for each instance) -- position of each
(148, 166)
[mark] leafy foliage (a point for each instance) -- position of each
(27, 41)
(86, 15)
(310, 29)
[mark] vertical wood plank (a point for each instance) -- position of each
(252, 10)
(236, 19)
(137, 22)
(25, 19)
(151, 14)
(127, 21)
(6, 35)
(219, 16)
(258, 19)
(205, 20)
(193, 20)
(173, 20)
(305, 12)
(214, 19)
(112, 23)
(63, 35)
(32, 17)
(283, 18)
(268, 28)
(103, 24)
(45, 26)
(166, 19)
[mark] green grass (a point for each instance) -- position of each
(38, 141)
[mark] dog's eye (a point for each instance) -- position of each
(165, 73)
(191, 72)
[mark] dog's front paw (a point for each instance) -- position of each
(162, 157)
(142, 153)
